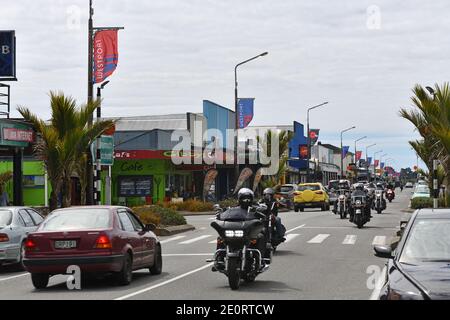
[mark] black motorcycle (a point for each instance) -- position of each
(242, 251)
(342, 203)
(359, 209)
(379, 203)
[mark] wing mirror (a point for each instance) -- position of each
(150, 227)
(383, 252)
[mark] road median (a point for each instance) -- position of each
(172, 230)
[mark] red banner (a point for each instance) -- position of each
(377, 162)
(106, 54)
(358, 155)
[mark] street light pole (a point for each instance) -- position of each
(309, 139)
(90, 176)
(236, 101)
(98, 164)
(356, 150)
(342, 150)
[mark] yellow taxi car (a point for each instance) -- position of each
(311, 195)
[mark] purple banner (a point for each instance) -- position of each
(245, 111)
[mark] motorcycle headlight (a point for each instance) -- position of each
(234, 233)
(341, 197)
(358, 202)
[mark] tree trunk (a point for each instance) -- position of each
(67, 192)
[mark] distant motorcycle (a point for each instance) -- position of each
(359, 209)
(342, 204)
(390, 195)
(242, 251)
(379, 203)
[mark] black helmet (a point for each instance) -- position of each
(245, 197)
(359, 186)
(268, 194)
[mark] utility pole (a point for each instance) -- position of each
(90, 173)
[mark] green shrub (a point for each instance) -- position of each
(228, 203)
(191, 206)
(159, 215)
(423, 202)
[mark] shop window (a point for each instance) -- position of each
(135, 186)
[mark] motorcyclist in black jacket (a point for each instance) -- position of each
(272, 205)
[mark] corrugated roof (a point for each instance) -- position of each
(147, 123)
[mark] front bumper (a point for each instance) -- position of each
(58, 265)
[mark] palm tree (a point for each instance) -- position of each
(265, 143)
(65, 140)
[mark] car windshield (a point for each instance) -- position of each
(77, 219)
(333, 185)
(5, 218)
(423, 189)
(428, 240)
(312, 187)
(286, 189)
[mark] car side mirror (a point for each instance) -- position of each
(150, 227)
(383, 252)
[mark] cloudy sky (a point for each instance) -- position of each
(361, 56)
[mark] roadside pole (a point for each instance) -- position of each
(435, 185)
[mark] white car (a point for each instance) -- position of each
(409, 185)
(422, 191)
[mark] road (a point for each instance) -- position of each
(323, 258)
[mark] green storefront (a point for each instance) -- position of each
(147, 181)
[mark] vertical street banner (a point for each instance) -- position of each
(210, 177)
(345, 150)
(246, 173)
(7, 55)
(245, 112)
(377, 162)
(382, 165)
(314, 136)
(369, 161)
(358, 155)
(106, 54)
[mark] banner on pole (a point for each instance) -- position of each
(210, 177)
(377, 162)
(246, 173)
(358, 155)
(369, 161)
(7, 56)
(245, 111)
(345, 150)
(106, 54)
(314, 136)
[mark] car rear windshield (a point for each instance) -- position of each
(5, 218)
(286, 189)
(428, 240)
(333, 185)
(77, 219)
(309, 187)
(422, 189)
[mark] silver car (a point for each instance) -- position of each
(15, 224)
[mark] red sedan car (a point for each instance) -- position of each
(98, 239)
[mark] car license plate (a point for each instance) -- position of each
(65, 244)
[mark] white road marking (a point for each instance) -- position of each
(319, 238)
(14, 277)
(296, 228)
(290, 237)
(349, 239)
(187, 254)
(196, 239)
(164, 283)
(379, 241)
(213, 218)
(379, 285)
(172, 239)
(214, 241)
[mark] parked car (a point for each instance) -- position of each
(421, 191)
(409, 185)
(285, 195)
(418, 268)
(311, 195)
(98, 239)
(15, 224)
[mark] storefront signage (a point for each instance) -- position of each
(158, 154)
(19, 135)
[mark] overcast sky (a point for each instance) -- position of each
(363, 59)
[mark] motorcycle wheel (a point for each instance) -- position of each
(379, 211)
(359, 222)
(390, 201)
(234, 277)
(342, 213)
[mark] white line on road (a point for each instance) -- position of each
(319, 238)
(172, 239)
(164, 283)
(299, 227)
(14, 277)
(379, 241)
(349, 239)
(196, 239)
(187, 254)
(379, 285)
(214, 241)
(290, 237)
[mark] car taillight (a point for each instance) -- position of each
(30, 244)
(4, 237)
(103, 242)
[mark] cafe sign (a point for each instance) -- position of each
(18, 135)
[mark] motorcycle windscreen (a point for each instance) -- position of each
(251, 228)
